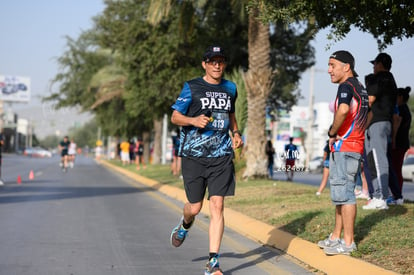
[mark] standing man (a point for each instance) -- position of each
(346, 140)
(206, 111)
(382, 93)
(291, 153)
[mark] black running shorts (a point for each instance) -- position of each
(214, 174)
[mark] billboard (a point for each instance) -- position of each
(15, 88)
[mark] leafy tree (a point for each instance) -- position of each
(50, 141)
(85, 135)
(79, 63)
(241, 104)
(385, 20)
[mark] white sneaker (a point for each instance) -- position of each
(318, 193)
(375, 204)
(1, 183)
(400, 201)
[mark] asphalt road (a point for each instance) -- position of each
(91, 221)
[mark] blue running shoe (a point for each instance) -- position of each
(213, 267)
(179, 233)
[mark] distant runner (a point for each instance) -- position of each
(64, 147)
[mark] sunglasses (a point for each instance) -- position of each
(215, 62)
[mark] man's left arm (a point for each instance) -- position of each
(237, 140)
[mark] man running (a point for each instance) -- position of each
(64, 147)
(206, 111)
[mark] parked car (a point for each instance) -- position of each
(408, 168)
(37, 152)
(316, 164)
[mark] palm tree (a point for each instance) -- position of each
(258, 81)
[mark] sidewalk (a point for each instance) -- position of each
(263, 233)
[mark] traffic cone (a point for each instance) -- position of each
(31, 175)
(19, 179)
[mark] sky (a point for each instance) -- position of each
(33, 37)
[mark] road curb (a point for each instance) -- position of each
(263, 233)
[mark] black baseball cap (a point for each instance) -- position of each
(347, 58)
(384, 59)
(213, 51)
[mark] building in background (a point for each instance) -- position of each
(310, 137)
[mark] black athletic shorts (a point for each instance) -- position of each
(214, 174)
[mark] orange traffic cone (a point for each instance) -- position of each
(31, 175)
(19, 179)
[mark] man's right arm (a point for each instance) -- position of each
(179, 119)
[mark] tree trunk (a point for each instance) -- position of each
(258, 80)
(146, 138)
(156, 154)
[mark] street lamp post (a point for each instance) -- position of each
(310, 122)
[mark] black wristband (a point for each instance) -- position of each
(236, 132)
(331, 136)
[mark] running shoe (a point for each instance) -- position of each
(375, 204)
(213, 267)
(329, 242)
(392, 201)
(179, 233)
(342, 248)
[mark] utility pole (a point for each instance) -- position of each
(311, 112)
(311, 118)
(164, 139)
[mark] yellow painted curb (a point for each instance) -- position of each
(302, 250)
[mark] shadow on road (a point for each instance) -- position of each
(256, 256)
(19, 193)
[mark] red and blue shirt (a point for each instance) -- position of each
(352, 130)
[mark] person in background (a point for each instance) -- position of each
(270, 152)
(132, 154)
(382, 93)
(64, 147)
(401, 139)
(72, 152)
(325, 171)
(125, 152)
(176, 159)
(346, 140)
(139, 158)
(362, 181)
(291, 153)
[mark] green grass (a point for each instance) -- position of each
(384, 238)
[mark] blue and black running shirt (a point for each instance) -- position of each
(216, 101)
